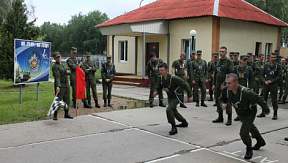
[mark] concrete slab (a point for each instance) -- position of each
(46, 130)
(129, 145)
(200, 155)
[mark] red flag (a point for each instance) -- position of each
(80, 83)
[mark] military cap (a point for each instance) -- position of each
(88, 54)
(231, 53)
(268, 55)
(215, 54)
(74, 49)
(249, 54)
(193, 52)
(56, 54)
(199, 51)
(236, 53)
(243, 56)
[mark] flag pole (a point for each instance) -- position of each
(76, 106)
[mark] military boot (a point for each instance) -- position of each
(55, 116)
(219, 119)
(183, 124)
(109, 104)
(151, 104)
(96, 104)
(86, 105)
(249, 153)
(286, 139)
(280, 97)
(229, 120)
(105, 103)
(182, 105)
(173, 130)
(89, 102)
(67, 115)
(211, 98)
(203, 104)
(74, 103)
(283, 101)
(261, 115)
(275, 117)
(197, 103)
(260, 143)
(162, 104)
(237, 119)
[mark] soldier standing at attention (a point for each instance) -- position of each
(282, 82)
(90, 68)
(72, 63)
(61, 84)
(260, 64)
(171, 84)
(244, 101)
(245, 75)
(271, 74)
(211, 71)
(189, 64)
(152, 71)
(224, 66)
(236, 59)
(255, 69)
(107, 73)
(200, 78)
(179, 69)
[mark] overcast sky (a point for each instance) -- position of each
(60, 11)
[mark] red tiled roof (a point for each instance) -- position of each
(177, 9)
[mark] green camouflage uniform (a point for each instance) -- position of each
(199, 75)
(90, 68)
(211, 71)
(107, 72)
(172, 87)
(273, 73)
(180, 67)
(280, 82)
(245, 76)
(61, 81)
(256, 73)
(258, 83)
(244, 103)
(152, 71)
(72, 64)
(189, 71)
(223, 67)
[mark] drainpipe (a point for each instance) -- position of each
(143, 55)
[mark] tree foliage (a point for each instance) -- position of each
(15, 25)
(5, 6)
(277, 8)
(80, 32)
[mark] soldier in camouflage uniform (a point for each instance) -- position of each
(189, 64)
(271, 74)
(152, 71)
(244, 74)
(282, 83)
(179, 69)
(260, 64)
(199, 78)
(61, 84)
(72, 63)
(236, 58)
(107, 73)
(211, 70)
(244, 101)
(224, 66)
(90, 69)
(171, 84)
(255, 69)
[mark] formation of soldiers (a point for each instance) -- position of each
(234, 83)
(62, 71)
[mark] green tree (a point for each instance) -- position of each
(5, 6)
(14, 26)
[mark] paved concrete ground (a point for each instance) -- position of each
(140, 135)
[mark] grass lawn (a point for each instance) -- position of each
(11, 111)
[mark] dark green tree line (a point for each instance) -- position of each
(80, 32)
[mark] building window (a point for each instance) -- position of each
(258, 48)
(268, 49)
(123, 50)
(186, 46)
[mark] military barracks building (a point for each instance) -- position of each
(163, 27)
